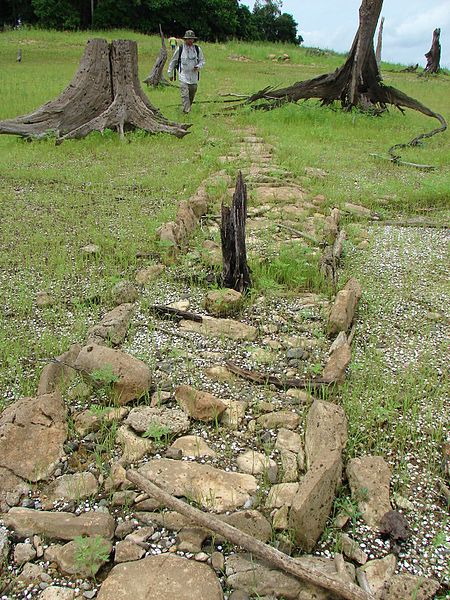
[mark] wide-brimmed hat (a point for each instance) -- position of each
(189, 35)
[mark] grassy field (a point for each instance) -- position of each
(56, 199)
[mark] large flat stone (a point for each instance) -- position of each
(161, 578)
(313, 502)
(27, 522)
(218, 490)
(133, 375)
(228, 328)
(326, 431)
(369, 479)
(32, 434)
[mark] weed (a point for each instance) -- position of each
(158, 433)
(90, 553)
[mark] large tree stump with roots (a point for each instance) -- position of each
(104, 93)
(235, 272)
(156, 76)
(433, 55)
(356, 84)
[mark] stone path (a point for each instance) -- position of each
(272, 458)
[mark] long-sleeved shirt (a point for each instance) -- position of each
(189, 60)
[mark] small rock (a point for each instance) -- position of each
(223, 303)
(91, 249)
(281, 494)
(124, 292)
(201, 557)
(198, 404)
(351, 549)
(128, 551)
(256, 463)
(54, 592)
(369, 479)
(283, 418)
(218, 561)
(378, 572)
(192, 445)
(144, 276)
(24, 553)
(43, 300)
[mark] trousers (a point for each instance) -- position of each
(188, 91)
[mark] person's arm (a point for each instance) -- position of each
(201, 59)
(173, 63)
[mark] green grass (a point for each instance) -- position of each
(56, 199)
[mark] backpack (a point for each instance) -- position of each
(197, 50)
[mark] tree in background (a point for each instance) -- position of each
(213, 20)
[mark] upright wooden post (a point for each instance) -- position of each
(235, 273)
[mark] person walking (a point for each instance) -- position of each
(173, 42)
(188, 59)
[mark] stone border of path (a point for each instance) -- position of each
(300, 506)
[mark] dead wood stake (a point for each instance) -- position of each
(239, 538)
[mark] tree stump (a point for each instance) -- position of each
(356, 84)
(235, 272)
(156, 76)
(433, 56)
(104, 93)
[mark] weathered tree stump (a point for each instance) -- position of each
(235, 272)
(433, 56)
(156, 76)
(104, 93)
(356, 84)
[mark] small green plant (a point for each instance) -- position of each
(158, 433)
(104, 376)
(90, 553)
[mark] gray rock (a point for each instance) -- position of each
(58, 373)
(221, 327)
(217, 561)
(127, 551)
(326, 432)
(378, 572)
(192, 445)
(172, 420)
(148, 274)
(217, 489)
(134, 446)
(351, 549)
(160, 578)
(54, 592)
(198, 404)
(24, 553)
(113, 326)
(32, 436)
(334, 370)
(4, 546)
(124, 292)
(58, 525)
(83, 557)
(256, 463)
(247, 574)
(312, 504)
(190, 539)
(281, 494)
(134, 377)
(69, 487)
(369, 479)
(282, 418)
(405, 587)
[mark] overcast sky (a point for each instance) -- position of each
(408, 26)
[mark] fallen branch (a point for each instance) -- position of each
(403, 163)
(239, 538)
(175, 313)
(301, 234)
(265, 379)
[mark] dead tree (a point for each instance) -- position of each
(104, 93)
(156, 76)
(235, 272)
(379, 43)
(356, 84)
(433, 56)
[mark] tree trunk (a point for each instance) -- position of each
(379, 43)
(356, 83)
(235, 273)
(156, 76)
(433, 56)
(104, 93)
